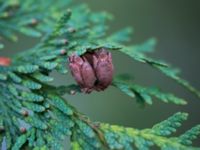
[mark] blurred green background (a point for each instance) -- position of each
(176, 25)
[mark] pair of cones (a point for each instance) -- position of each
(92, 70)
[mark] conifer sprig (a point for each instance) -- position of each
(35, 115)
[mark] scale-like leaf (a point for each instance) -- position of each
(144, 95)
(169, 126)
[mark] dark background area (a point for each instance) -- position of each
(175, 24)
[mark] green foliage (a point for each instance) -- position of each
(144, 95)
(123, 138)
(33, 113)
(169, 126)
(190, 135)
(28, 17)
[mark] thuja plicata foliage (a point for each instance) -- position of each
(34, 114)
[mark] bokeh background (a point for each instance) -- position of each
(176, 25)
